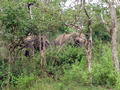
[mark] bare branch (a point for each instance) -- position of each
(104, 22)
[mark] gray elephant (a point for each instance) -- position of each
(33, 43)
(74, 38)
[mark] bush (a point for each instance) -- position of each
(57, 62)
(77, 74)
(103, 70)
(118, 82)
(25, 81)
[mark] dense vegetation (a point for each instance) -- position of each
(60, 69)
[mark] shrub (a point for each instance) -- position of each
(25, 81)
(77, 74)
(103, 70)
(57, 62)
(118, 82)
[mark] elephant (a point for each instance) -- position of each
(74, 38)
(33, 43)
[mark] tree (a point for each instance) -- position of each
(114, 34)
(88, 43)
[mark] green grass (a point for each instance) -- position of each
(47, 84)
(54, 85)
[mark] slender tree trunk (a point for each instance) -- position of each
(44, 50)
(9, 68)
(41, 61)
(89, 44)
(31, 16)
(114, 35)
(89, 56)
(30, 9)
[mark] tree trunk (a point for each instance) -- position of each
(41, 61)
(30, 9)
(89, 44)
(114, 35)
(44, 50)
(9, 69)
(31, 16)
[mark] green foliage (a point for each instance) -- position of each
(68, 54)
(25, 81)
(44, 84)
(103, 71)
(100, 32)
(48, 17)
(70, 66)
(57, 62)
(99, 29)
(29, 1)
(16, 21)
(3, 72)
(67, 67)
(118, 82)
(77, 73)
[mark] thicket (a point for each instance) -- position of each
(67, 66)
(70, 67)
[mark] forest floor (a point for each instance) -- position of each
(53, 85)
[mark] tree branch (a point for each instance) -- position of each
(104, 22)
